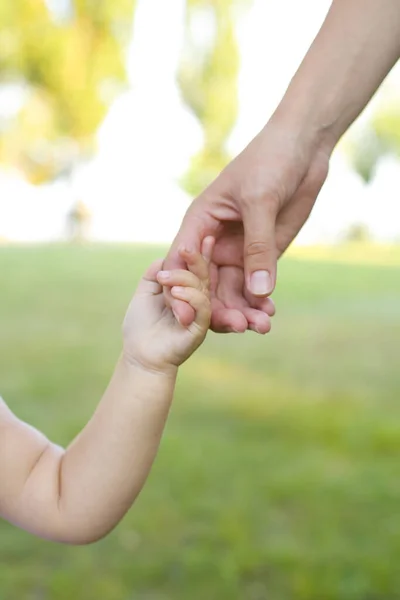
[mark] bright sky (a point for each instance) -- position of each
(149, 136)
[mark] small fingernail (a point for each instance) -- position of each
(237, 331)
(260, 283)
(177, 289)
(176, 317)
(164, 274)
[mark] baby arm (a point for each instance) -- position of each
(79, 494)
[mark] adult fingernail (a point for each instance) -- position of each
(260, 283)
(257, 330)
(164, 274)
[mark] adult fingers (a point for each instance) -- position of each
(259, 251)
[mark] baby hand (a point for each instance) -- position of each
(153, 338)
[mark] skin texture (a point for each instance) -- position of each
(78, 495)
(259, 203)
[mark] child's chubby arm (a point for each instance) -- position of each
(78, 495)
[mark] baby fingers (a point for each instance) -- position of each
(180, 278)
(198, 300)
(198, 263)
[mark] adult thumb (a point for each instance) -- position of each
(260, 253)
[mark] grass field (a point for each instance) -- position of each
(278, 476)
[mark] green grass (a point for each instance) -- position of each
(278, 476)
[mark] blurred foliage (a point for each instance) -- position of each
(358, 233)
(68, 55)
(386, 123)
(208, 80)
(379, 138)
(364, 150)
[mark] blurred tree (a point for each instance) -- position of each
(380, 137)
(364, 150)
(387, 125)
(208, 81)
(68, 57)
(357, 233)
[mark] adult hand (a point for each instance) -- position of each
(254, 209)
(258, 204)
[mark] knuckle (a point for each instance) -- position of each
(198, 330)
(259, 192)
(255, 249)
(205, 285)
(203, 303)
(201, 295)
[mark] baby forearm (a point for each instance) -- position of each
(105, 468)
(79, 495)
(353, 52)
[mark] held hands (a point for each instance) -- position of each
(154, 339)
(254, 209)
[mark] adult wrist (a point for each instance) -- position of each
(310, 128)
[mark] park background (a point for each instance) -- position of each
(278, 475)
